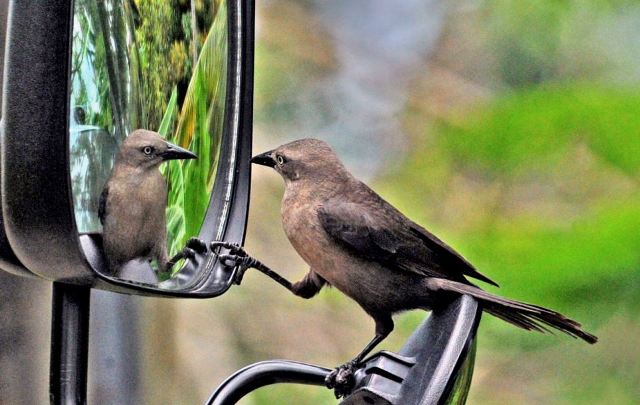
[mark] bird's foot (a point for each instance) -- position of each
(233, 248)
(341, 379)
(198, 245)
(193, 246)
(237, 257)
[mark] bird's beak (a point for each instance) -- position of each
(264, 159)
(176, 152)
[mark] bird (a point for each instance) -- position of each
(354, 240)
(133, 202)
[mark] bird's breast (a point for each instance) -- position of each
(303, 230)
(328, 259)
(135, 218)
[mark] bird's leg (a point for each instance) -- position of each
(193, 246)
(238, 257)
(341, 379)
(309, 286)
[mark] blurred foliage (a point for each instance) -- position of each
(537, 139)
(462, 383)
(520, 130)
(538, 41)
(298, 394)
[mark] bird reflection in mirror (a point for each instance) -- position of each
(133, 202)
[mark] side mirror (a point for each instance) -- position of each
(80, 76)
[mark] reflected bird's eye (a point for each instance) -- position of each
(147, 150)
(280, 159)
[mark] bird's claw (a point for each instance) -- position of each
(243, 263)
(341, 380)
(233, 248)
(188, 252)
(237, 257)
(197, 245)
(231, 260)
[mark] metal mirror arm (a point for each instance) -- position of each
(423, 372)
(69, 344)
(265, 373)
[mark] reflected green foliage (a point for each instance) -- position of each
(461, 385)
(199, 127)
(185, 98)
(165, 38)
(162, 45)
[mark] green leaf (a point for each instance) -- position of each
(169, 114)
(199, 128)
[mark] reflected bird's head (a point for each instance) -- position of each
(304, 159)
(147, 149)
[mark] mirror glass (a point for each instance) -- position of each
(157, 65)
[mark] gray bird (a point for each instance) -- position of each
(354, 240)
(133, 202)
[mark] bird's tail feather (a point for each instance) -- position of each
(525, 316)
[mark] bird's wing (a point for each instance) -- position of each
(376, 231)
(454, 258)
(102, 204)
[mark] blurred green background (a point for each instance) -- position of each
(510, 128)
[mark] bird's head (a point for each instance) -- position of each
(304, 159)
(147, 149)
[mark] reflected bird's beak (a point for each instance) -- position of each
(264, 159)
(175, 152)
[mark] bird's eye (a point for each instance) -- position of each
(147, 150)
(280, 159)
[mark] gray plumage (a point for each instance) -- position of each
(133, 202)
(357, 242)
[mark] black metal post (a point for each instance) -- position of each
(69, 344)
